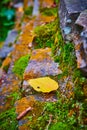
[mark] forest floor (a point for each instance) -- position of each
(40, 52)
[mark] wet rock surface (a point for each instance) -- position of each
(8, 45)
(73, 22)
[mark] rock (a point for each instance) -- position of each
(41, 64)
(5, 51)
(21, 105)
(82, 19)
(73, 22)
(36, 8)
(69, 11)
(8, 84)
(11, 37)
(80, 54)
(37, 105)
(8, 45)
(84, 39)
(67, 30)
(18, 5)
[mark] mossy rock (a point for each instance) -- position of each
(20, 65)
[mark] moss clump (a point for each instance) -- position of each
(49, 11)
(60, 126)
(28, 10)
(8, 120)
(20, 65)
(45, 35)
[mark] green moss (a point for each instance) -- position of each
(45, 35)
(28, 10)
(5, 68)
(14, 97)
(60, 126)
(20, 65)
(8, 120)
(49, 11)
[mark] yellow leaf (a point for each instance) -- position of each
(44, 84)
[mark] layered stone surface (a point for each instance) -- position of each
(73, 22)
(41, 64)
(82, 19)
(69, 11)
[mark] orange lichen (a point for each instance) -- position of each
(46, 19)
(30, 75)
(69, 86)
(19, 51)
(25, 4)
(24, 103)
(6, 62)
(46, 3)
(40, 54)
(77, 47)
(6, 90)
(24, 127)
(79, 61)
(27, 35)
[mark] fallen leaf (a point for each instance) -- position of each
(44, 84)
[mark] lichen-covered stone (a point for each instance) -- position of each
(41, 64)
(8, 84)
(37, 108)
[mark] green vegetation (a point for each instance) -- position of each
(69, 113)
(20, 65)
(14, 97)
(7, 16)
(28, 11)
(62, 114)
(57, 1)
(60, 126)
(45, 35)
(5, 68)
(49, 12)
(66, 113)
(8, 120)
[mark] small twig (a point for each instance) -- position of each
(43, 111)
(49, 122)
(23, 113)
